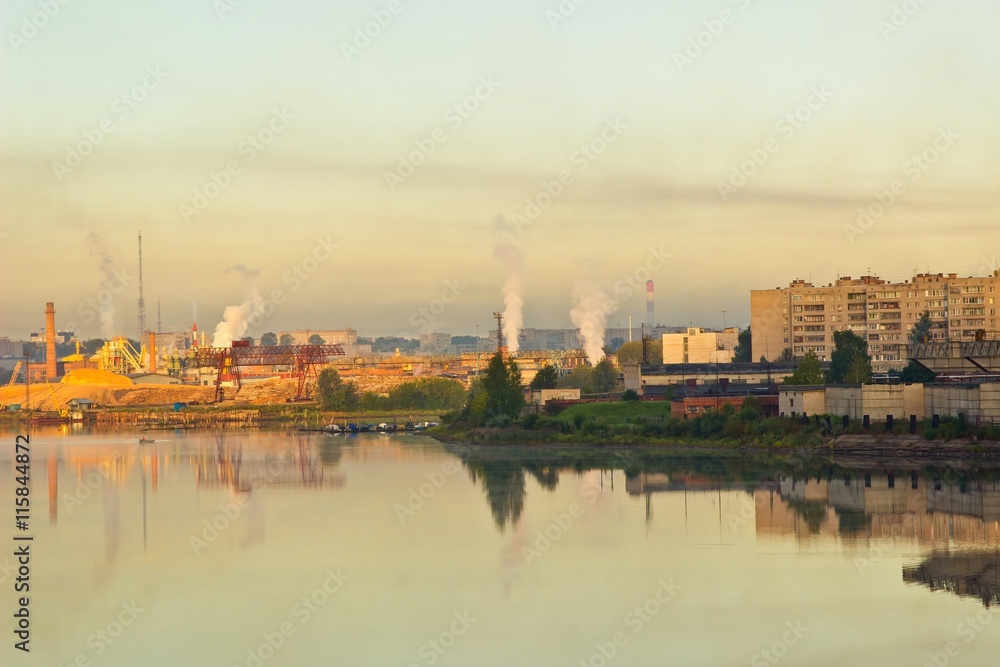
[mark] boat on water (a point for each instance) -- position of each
(146, 441)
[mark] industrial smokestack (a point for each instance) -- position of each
(152, 351)
(50, 341)
(650, 304)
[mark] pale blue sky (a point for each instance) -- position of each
(324, 175)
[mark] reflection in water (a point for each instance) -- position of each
(504, 484)
(974, 575)
(930, 505)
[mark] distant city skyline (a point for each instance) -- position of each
(364, 178)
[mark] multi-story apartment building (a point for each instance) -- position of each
(697, 346)
(804, 317)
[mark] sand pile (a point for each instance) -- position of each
(96, 377)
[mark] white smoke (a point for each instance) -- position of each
(591, 307)
(513, 292)
(236, 319)
(105, 296)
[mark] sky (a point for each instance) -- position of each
(717, 146)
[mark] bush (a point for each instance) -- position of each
(630, 395)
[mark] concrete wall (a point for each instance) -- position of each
(842, 401)
(794, 402)
(989, 402)
(952, 401)
(543, 396)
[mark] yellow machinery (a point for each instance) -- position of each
(118, 356)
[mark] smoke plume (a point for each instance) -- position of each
(106, 296)
(512, 259)
(236, 319)
(591, 307)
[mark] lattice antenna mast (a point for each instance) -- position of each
(499, 317)
(142, 302)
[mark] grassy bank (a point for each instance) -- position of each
(650, 423)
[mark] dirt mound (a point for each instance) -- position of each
(96, 377)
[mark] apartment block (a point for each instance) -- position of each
(804, 317)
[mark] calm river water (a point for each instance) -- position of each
(286, 549)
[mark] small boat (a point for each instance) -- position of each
(146, 441)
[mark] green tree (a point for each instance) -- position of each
(504, 392)
(809, 372)
(547, 377)
(334, 392)
(316, 339)
(631, 353)
(605, 376)
(247, 339)
(270, 338)
(786, 355)
(921, 331)
(916, 373)
(581, 377)
(287, 339)
(742, 352)
(849, 362)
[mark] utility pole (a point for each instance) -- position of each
(159, 320)
(724, 319)
(499, 317)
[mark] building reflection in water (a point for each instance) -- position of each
(975, 575)
(272, 462)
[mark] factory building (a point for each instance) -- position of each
(11, 348)
(329, 336)
(435, 343)
(697, 346)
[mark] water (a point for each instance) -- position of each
(396, 550)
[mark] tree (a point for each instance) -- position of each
(316, 339)
(631, 353)
(270, 338)
(287, 339)
(786, 355)
(921, 331)
(581, 377)
(916, 373)
(849, 362)
(504, 392)
(334, 393)
(631, 395)
(547, 377)
(247, 339)
(809, 372)
(742, 352)
(605, 376)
